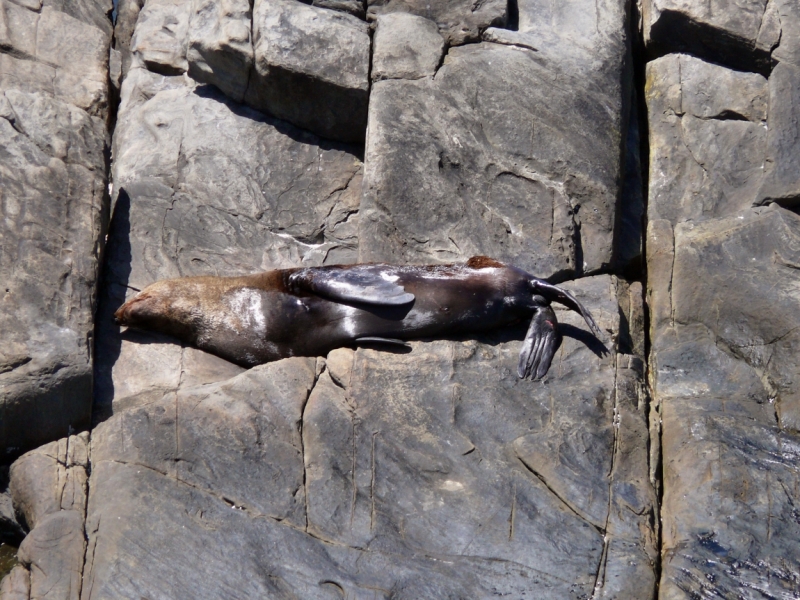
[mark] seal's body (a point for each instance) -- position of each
(309, 312)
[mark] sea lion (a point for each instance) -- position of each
(310, 311)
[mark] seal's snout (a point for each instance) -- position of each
(126, 314)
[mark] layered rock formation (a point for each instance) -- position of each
(658, 461)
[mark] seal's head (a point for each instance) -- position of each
(172, 306)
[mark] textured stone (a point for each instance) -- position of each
(459, 21)
(724, 370)
(219, 46)
(707, 139)
(311, 68)
(159, 40)
(476, 161)
(782, 165)
(49, 487)
(222, 190)
(55, 54)
(405, 47)
(53, 204)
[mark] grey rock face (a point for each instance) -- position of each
(459, 21)
(708, 138)
(502, 174)
(220, 50)
(406, 47)
(312, 68)
(53, 138)
(49, 487)
(159, 40)
(724, 367)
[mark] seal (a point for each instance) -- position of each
(259, 318)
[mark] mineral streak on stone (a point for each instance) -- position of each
(53, 202)
(311, 68)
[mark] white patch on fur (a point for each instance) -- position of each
(246, 306)
(390, 278)
(349, 320)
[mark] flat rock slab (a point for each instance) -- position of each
(207, 187)
(426, 474)
(406, 47)
(54, 202)
(725, 370)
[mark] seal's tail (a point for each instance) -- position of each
(554, 293)
(540, 345)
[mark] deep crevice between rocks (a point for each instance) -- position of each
(675, 32)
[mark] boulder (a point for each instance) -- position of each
(220, 50)
(159, 40)
(53, 176)
(49, 487)
(311, 68)
(707, 136)
(405, 47)
(724, 371)
(459, 21)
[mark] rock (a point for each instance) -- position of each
(70, 55)
(220, 51)
(127, 15)
(476, 161)
(16, 585)
(459, 22)
(724, 369)
(223, 190)
(354, 7)
(159, 40)
(311, 68)
(49, 488)
(53, 138)
(713, 30)
(781, 182)
(406, 47)
(431, 473)
(707, 137)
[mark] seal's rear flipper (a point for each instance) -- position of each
(540, 345)
(370, 284)
(562, 296)
(379, 340)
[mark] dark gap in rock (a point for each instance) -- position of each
(675, 32)
(512, 22)
(730, 115)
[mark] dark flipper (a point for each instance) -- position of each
(562, 296)
(370, 284)
(540, 345)
(380, 340)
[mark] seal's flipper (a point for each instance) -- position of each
(380, 340)
(562, 296)
(370, 284)
(540, 345)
